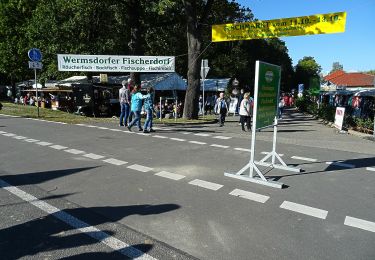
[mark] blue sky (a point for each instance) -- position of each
(354, 49)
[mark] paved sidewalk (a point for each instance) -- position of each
(298, 129)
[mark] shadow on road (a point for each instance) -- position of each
(341, 165)
(102, 255)
(50, 234)
(40, 177)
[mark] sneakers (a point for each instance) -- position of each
(146, 131)
(140, 129)
(129, 128)
(120, 125)
(152, 130)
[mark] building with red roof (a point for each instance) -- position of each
(341, 80)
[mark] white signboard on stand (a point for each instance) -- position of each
(339, 117)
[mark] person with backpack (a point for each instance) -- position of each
(149, 108)
(221, 108)
(136, 107)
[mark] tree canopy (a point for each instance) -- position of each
(137, 27)
(306, 70)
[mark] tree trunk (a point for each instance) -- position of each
(135, 43)
(194, 39)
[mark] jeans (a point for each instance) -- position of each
(136, 119)
(247, 120)
(281, 109)
(223, 113)
(124, 113)
(148, 122)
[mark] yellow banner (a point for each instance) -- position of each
(304, 25)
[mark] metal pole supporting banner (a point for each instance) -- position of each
(175, 112)
(160, 111)
(36, 92)
(203, 79)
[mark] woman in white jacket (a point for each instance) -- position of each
(246, 108)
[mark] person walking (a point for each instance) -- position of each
(124, 97)
(200, 105)
(136, 107)
(149, 107)
(281, 107)
(245, 112)
(221, 108)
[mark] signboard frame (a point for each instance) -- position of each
(255, 175)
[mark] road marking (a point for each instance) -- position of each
(115, 161)
(93, 156)
(19, 137)
(9, 134)
(370, 169)
(314, 212)
(140, 168)
(222, 137)
(44, 143)
(178, 139)
(58, 147)
(91, 126)
(242, 149)
(116, 130)
(145, 134)
(280, 154)
(304, 159)
(2, 132)
(81, 124)
(93, 232)
(160, 136)
(31, 140)
(360, 223)
(169, 175)
(219, 146)
(104, 128)
(206, 184)
(185, 133)
(74, 151)
(202, 134)
(249, 195)
(196, 142)
(345, 165)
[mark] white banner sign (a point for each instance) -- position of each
(339, 117)
(110, 63)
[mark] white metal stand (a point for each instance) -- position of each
(255, 175)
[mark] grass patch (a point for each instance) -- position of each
(60, 116)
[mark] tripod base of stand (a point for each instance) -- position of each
(257, 180)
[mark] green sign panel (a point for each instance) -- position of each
(266, 94)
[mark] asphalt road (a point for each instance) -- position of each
(99, 191)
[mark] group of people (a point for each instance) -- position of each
(209, 104)
(27, 100)
(245, 110)
(131, 102)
